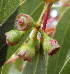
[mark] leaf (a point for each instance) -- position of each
(0, 70)
(66, 68)
(6, 8)
(62, 35)
(29, 7)
(6, 69)
(10, 69)
(19, 64)
(6, 26)
(37, 66)
(32, 7)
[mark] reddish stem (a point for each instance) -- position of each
(12, 59)
(66, 5)
(49, 32)
(46, 15)
(49, 29)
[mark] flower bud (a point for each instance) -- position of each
(13, 37)
(27, 51)
(24, 22)
(51, 1)
(49, 44)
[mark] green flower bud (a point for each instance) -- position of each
(24, 22)
(49, 44)
(13, 37)
(51, 1)
(27, 51)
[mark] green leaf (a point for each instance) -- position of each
(37, 66)
(62, 35)
(6, 26)
(10, 69)
(19, 64)
(6, 8)
(66, 68)
(29, 7)
(6, 68)
(0, 70)
(32, 7)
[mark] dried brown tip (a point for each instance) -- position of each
(24, 56)
(53, 51)
(11, 44)
(27, 59)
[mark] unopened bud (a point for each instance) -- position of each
(27, 50)
(13, 37)
(49, 45)
(24, 22)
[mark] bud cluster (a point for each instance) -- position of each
(31, 45)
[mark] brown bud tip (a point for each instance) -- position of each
(11, 44)
(53, 51)
(27, 59)
(24, 56)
